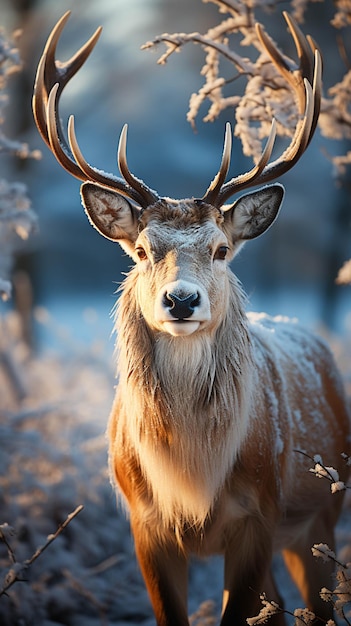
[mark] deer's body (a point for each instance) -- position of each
(215, 411)
(198, 453)
(207, 431)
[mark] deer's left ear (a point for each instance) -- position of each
(252, 214)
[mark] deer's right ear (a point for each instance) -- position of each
(110, 213)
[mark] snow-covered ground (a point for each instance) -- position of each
(53, 414)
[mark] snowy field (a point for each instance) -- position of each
(53, 459)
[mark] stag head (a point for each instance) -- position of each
(180, 247)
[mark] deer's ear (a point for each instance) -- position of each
(252, 214)
(110, 213)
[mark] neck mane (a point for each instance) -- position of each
(186, 403)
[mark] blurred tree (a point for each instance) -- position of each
(17, 220)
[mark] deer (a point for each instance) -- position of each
(216, 409)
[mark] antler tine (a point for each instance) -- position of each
(52, 77)
(148, 195)
(281, 165)
(91, 173)
(317, 90)
(317, 81)
(305, 52)
(215, 186)
(51, 72)
(54, 142)
(294, 75)
(214, 195)
(301, 79)
(310, 66)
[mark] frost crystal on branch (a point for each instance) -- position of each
(341, 595)
(269, 608)
(321, 471)
(338, 485)
(304, 616)
(330, 473)
(321, 550)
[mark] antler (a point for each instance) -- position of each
(306, 81)
(52, 77)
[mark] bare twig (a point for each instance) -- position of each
(15, 572)
(88, 595)
(5, 530)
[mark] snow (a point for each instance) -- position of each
(54, 404)
(53, 459)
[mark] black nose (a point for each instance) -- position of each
(181, 308)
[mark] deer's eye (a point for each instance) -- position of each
(141, 253)
(221, 253)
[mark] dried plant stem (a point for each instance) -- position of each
(15, 572)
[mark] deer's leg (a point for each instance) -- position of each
(246, 573)
(164, 568)
(309, 573)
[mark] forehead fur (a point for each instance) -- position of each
(181, 214)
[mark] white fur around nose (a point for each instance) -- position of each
(182, 289)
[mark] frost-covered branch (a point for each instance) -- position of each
(265, 94)
(15, 573)
(320, 470)
(6, 532)
(340, 596)
(330, 473)
(265, 91)
(303, 617)
(269, 608)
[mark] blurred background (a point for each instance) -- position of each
(55, 398)
(75, 272)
